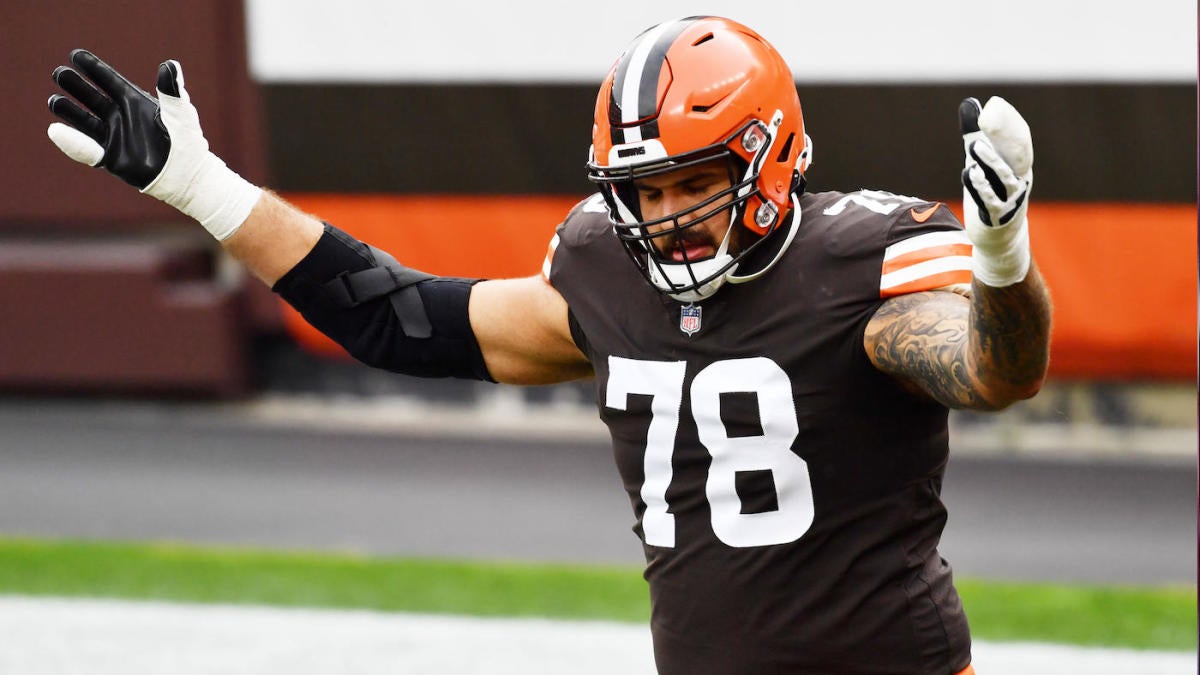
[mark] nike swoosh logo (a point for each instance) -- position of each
(922, 216)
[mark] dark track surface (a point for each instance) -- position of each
(81, 472)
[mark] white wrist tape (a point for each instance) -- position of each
(193, 179)
(1000, 255)
(212, 193)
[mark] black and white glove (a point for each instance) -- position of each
(154, 144)
(997, 180)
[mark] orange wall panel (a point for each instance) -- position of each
(1123, 276)
(1123, 279)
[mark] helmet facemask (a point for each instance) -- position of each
(693, 280)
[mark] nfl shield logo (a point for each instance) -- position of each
(689, 319)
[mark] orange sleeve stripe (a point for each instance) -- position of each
(928, 283)
(924, 254)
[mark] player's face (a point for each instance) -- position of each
(678, 190)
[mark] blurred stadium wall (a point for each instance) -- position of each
(103, 290)
(454, 135)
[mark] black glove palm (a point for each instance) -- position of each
(153, 143)
(119, 116)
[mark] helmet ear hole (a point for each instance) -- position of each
(786, 149)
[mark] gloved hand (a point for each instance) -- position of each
(996, 182)
(156, 145)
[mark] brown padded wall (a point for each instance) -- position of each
(131, 315)
(1094, 142)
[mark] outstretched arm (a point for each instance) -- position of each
(386, 315)
(520, 324)
(990, 350)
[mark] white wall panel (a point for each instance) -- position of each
(864, 40)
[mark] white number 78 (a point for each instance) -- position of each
(663, 380)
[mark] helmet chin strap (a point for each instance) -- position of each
(675, 275)
(791, 234)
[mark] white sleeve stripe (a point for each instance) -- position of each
(904, 275)
(929, 240)
(549, 256)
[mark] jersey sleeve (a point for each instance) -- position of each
(572, 265)
(548, 262)
(574, 230)
(926, 250)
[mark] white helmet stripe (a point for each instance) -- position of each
(636, 89)
(632, 85)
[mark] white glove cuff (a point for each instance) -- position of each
(1000, 255)
(214, 195)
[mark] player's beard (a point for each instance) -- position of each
(698, 241)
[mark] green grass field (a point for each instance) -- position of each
(1159, 618)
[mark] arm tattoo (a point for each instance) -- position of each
(1011, 327)
(983, 353)
(922, 339)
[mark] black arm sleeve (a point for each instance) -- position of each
(372, 329)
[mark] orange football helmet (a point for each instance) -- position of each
(686, 92)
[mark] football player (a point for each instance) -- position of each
(775, 366)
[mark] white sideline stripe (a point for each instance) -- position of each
(102, 637)
(503, 413)
(951, 263)
(930, 240)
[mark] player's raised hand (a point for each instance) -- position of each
(999, 159)
(997, 180)
(118, 126)
(154, 144)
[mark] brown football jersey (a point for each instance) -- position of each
(786, 492)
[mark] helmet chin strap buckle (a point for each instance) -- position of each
(792, 227)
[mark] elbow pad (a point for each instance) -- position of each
(384, 314)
